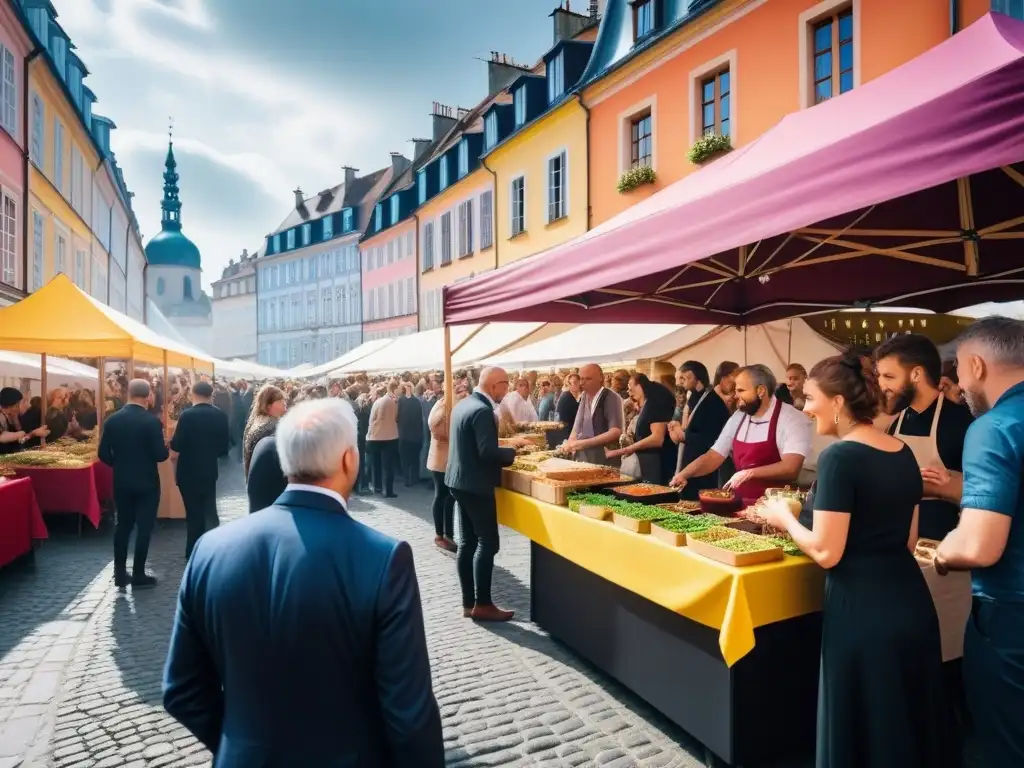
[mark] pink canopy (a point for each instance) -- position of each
(901, 191)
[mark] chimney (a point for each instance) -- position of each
(595, 9)
(443, 119)
(502, 70)
(299, 198)
(245, 254)
(350, 174)
(568, 23)
(399, 163)
(419, 146)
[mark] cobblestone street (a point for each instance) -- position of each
(80, 664)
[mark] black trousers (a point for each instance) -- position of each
(994, 680)
(410, 455)
(478, 519)
(383, 459)
(443, 508)
(135, 510)
(365, 480)
(200, 513)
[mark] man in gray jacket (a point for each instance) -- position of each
(598, 420)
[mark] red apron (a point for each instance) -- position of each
(753, 455)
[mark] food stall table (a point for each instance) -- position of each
(20, 519)
(65, 490)
(731, 655)
(104, 482)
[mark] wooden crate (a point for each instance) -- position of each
(712, 552)
(631, 523)
(676, 539)
(514, 480)
(557, 492)
(595, 512)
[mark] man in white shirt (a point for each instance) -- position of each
(768, 439)
(516, 405)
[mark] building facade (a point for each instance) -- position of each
(309, 279)
(234, 310)
(15, 45)
(175, 268)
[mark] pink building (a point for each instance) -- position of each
(14, 47)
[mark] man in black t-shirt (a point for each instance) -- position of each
(909, 370)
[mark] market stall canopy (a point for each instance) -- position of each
(425, 350)
(900, 191)
(19, 365)
(339, 363)
(600, 343)
(61, 319)
(246, 369)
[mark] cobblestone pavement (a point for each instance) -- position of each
(80, 664)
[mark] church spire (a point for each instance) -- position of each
(171, 204)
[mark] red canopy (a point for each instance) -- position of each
(901, 191)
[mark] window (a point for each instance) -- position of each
(391, 301)
(80, 269)
(714, 104)
(276, 244)
(9, 113)
(353, 303)
(37, 251)
(519, 104)
(307, 233)
(311, 308)
(831, 36)
(186, 287)
(381, 308)
(443, 172)
(466, 229)
(378, 217)
(391, 252)
(517, 205)
(421, 186)
(161, 287)
(58, 154)
(77, 171)
(463, 158)
(556, 77)
(346, 220)
(395, 208)
(556, 187)
(643, 18)
(486, 220)
(38, 127)
(641, 141)
(490, 130)
(327, 308)
(290, 238)
(328, 227)
(410, 295)
(408, 243)
(428, 246)
(9, 241)
(446, 239)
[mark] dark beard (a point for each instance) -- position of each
(750, 409)
(902, 400)
(977, 402)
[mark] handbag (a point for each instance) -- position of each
(631, 466)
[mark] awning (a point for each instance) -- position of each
(364, 349)
(19, 365)
(60, 319)
(903, 191)
(600, 343)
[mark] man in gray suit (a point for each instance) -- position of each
(474, 470)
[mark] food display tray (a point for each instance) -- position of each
(683, 507)
(739, 559)
(595, 511)
(654, 499)
(631, 523)
(721, 506)
(675, 538)
(514, 480)
(557, 491)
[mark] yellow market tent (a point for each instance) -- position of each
(61, 319)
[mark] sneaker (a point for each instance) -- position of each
(145, 581)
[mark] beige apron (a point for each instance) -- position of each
(951, 593)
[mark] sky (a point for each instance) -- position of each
(270, 95)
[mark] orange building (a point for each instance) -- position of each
(666, 72)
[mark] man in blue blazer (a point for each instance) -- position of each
(299, 639)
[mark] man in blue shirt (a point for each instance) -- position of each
(989, 540)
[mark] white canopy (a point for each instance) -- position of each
(338, 363)
(59, 370)
(600, 343)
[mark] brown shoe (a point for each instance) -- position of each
(490, 613)
(445, 544)
(467, 613)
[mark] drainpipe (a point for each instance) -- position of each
(586, 109)
(494, 209)
(25, 205)
(954, 17)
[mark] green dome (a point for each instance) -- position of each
(172, 249)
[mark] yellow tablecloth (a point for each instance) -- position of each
(731, 600)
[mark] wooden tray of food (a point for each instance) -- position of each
(596, 511)
(557, 491)
(647, 493)
(682, 507)
(719, 501)
(732, 547)
(566, 469)
(517, 480)
(674, 530)
(538, 426)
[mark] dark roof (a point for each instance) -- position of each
(332, 200)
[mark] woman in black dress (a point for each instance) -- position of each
(653, 447)
(706, 414)
(881, 700)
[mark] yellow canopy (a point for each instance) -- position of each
(60, 319)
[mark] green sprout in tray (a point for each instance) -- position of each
(788, 546)
(690, 523)
(745, 544)
(641, 511)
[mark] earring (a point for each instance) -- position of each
(837, 420)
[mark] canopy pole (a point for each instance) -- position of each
(167, 405)
(45, 396)
(449, 385)
(101, 400)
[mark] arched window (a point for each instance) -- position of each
(186, 287)
(160, 287)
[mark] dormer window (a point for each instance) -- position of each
(275, 244)
(421, 186)
(395, 201)
(290, 239)
(328, 227)
(463, 158)
(443, 172)
(519, 102)
(307, 233)
(491, 130)
(643, 18)
(346, 220)
(378, 217)
(556, 77)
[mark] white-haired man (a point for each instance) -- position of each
(299, 634)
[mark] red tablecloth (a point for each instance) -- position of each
(104, 481)
(65, 490)
(20, 520)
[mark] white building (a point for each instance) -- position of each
(234, 310)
